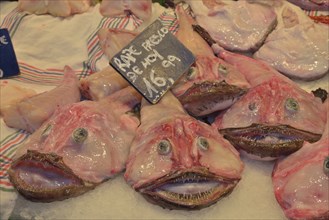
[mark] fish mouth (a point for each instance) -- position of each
(207, 97)
(189, 190)
(43, 177)
(268, 140)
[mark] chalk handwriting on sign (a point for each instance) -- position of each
(153, 61)
(3, 40)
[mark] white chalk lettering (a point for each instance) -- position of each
(132, 76)
(151, 58)
(169, 62)
(119, 64)
(126, 58)
(158, 81)
(155, 39)
(150, 88)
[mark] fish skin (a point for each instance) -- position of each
(30, 113)
(235, 25)
(208, 70)
(140, 8)
(58, 8)
(266, 104)
(82, 163)
(299, 182)
(167, 120)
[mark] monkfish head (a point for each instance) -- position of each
(273, 119)
(178, 162)
(78, 148)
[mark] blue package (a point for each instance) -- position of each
(8, 62)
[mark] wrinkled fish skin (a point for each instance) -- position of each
(178, 162)
(300, 181)
(29, 114)
(283, 115)
(79, 147)
(211, 84)
(235, 25)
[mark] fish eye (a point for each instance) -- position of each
(164, 147)
(191, 73)
(47, 131)
(222, 69)
(326, 166)
(79, 135)
(291, 105)
(203, 143)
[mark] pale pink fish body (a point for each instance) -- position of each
(60, 8)
(298, 47)
(114, 8)
(108, 80)
(102, 84)
(30, 113)
(113, 40)
(171, 146)
(211, 84)
(313, 5)
(301, 180)
(234, 25)
(80, 146)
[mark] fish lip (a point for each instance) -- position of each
(154, 193)
(208, 94)
(45, 161)
(292, 139)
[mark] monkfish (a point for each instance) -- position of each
(140, 8)
(60, 8)
(79, 147)
(29, 113)
(178, 162)
(301, 180)
(275, 117)
(108, 80)
(211, 84)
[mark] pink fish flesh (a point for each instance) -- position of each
(114, 8)
(178, 162)
(301, 180)
(313, 5)
(60, 8)
(79, 147)
(102, 84)
(273, 119)
(235, 25)
(30, 113)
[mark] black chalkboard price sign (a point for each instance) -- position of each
(153, 61)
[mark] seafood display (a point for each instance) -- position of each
(235, 25)
(78, 148)
(58, 8)
(58, 151)
(298, 47)
(178, 162)
(300, 180)
(29, 114)
(211, 84)
(140, 8)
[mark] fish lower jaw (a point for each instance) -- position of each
(190, 195)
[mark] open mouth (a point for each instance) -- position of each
(45, 178)
(207, 97)
(187, 190)
(268, 141)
